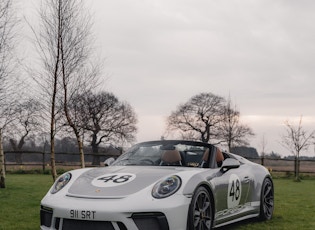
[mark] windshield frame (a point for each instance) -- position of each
(150, 153)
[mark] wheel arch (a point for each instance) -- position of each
(210, 191)
(269, 177)
(262, 216)
(263, 180)
(207, 187)
(211, 194)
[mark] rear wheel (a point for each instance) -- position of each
(266, 200)
(200, 211)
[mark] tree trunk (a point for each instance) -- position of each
(80, 144)
(94, 145)
(53, 106)
(52, 157)
(2, 166)
(297, 169)
(96, 157)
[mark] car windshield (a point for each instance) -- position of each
(166, 153)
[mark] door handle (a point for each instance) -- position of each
(246, 179)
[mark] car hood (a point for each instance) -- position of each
(117, 181)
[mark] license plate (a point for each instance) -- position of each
(82, 214)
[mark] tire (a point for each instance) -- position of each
(266, 200)
(200, 211)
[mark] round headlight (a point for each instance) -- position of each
(61, 182)
(166, 187)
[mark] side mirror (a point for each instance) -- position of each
(229, 163)
(109, 161)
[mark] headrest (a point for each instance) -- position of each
(205, 156)
(219, 156)
(171, 156)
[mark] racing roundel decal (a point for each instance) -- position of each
(113, 179)
(234, 191)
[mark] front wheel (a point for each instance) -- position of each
(266, 200)
(200, 211)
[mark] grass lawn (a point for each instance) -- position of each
(20, 201)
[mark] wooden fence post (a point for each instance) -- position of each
(262, 160)
(2, 164)
(43, 161)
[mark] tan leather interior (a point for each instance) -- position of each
(219, 156)
(171, 157)
(205, 156)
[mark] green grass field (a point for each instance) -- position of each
(20, 200)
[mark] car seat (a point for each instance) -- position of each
(219, 158)
(171, 158)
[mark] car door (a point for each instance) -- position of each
(231, 185)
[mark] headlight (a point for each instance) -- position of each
(61, 182)
(166, 187)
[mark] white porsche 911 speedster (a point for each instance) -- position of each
(160, 185)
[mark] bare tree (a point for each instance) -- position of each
(6, 46)
(47, 78)
(27, 122)
(263, 149)
(199, 118)
(7, 25)
(2, 167)
(263, 145)
(7, 84)
(75, 50)
(232, 131)
(296, 140)
(105, 119)
(64, 47)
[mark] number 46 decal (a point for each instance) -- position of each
(234, 191)
(111, 180)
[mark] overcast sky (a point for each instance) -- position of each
(260, 52)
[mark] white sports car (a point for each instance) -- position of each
(160, 185)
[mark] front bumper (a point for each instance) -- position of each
(136, 213)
